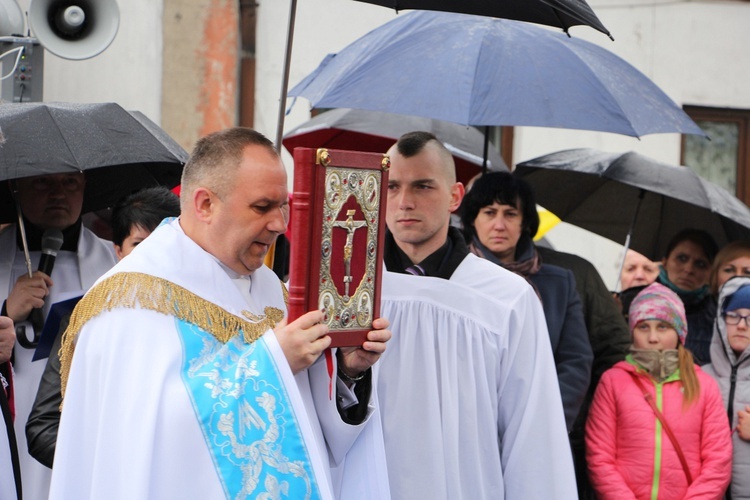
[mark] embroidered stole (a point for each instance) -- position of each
(234, 384)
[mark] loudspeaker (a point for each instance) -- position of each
(11, 18)
(74, 29)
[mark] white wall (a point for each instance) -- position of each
(697, 52)
(128, 72)
(322, 27)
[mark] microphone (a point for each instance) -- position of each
(52, 241)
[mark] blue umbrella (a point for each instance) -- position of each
(560, 13)
(491, 72)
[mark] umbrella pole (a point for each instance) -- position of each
(25, 243)
(485, 152)
(285, 76)
(630, 234)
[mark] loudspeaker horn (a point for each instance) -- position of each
(11, 18)
(74, 29)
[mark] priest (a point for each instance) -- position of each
(10, 476)
(187, 382)
(468, 389)
(48, 203)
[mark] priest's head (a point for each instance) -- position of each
(51, 201)
(422, 194)
(234, 200)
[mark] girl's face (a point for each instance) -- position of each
(738, 334)
(654, 334)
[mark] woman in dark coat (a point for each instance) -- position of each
(686, 269)
(499, 218)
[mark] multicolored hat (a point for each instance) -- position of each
(659, 302)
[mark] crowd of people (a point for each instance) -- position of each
(498, 368)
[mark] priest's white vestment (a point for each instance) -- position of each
(73, 274)
(468, 390)
(155, 407)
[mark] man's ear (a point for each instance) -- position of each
(457, 195)
(204, 203)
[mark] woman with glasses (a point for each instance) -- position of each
(730, 366)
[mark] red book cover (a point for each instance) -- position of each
(336, 260)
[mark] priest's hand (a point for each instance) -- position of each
(743, 423)
(7, 338)
(303, 340)
(355, 360)
(27, 294)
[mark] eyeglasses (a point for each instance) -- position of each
(44, 184)
(732, 318)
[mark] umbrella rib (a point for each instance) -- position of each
(609, 93)
(62, 136)
(477, 59)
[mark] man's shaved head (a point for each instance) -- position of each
(422, 193)
(413, 143)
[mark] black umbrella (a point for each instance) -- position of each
(633, 199)
(120, 151)
(556, 13)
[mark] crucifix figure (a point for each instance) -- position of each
(351, 226)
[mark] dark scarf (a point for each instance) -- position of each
(528, 261)
(689, 297)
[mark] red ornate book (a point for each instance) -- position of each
(337, 235)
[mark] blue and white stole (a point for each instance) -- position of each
(247, 417)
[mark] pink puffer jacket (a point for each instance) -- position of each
(631, 457)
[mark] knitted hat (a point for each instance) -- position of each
(739, 299)
(659, 302)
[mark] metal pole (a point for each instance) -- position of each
(485, 153)
(630, 233)
(24, 241)
(285, 76)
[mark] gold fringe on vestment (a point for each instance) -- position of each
(144, 291)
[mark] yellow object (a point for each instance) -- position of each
(268, 259)
(547, 220)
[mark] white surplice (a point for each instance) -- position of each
(73, 274)
(128, 427)
(468, 390)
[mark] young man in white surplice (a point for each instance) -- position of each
(467, 388)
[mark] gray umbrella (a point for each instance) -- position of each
(120, 151)
(361, 130)
(625, 196)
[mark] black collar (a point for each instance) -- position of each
(441, 263)
(34, 236)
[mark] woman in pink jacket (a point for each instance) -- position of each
(630, 453)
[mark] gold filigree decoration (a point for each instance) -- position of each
(385, 163)
(323, 157)
(354, 309)
(143, 291)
